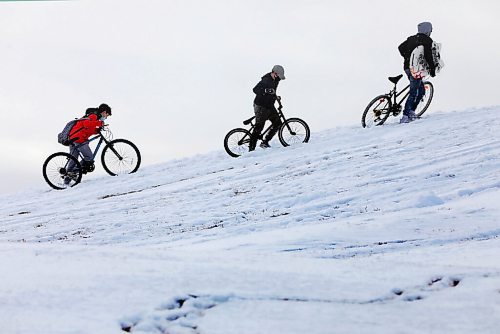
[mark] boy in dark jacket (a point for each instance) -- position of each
(417, 90)
(265, 96)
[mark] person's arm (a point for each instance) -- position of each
(93, 123)
(264, 87)
(428, 57)
(259, 89)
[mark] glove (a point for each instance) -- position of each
(432, 73)
(270, 91)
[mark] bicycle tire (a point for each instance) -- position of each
(236, 142)
(377, 116)
(300, 132)
(55, 173)
(120, 156)
(426, 99)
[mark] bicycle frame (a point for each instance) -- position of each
(101, 140)
(394, 93)
(280, 114)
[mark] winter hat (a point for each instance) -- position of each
(425, 28)
(278, 69)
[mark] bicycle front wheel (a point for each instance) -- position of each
(426, 99)
(120, 156)
(62, 170)
(236, 142)
(377, 111)
(294, 131)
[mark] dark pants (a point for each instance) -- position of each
(263, 114)
(417, 91)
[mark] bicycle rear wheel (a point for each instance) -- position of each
(56, 171)
(377, 111)
(426, 99)
(120, 156)
(236, 142)
(294, 131)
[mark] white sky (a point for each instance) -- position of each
(179, 74)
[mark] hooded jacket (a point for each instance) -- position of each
(411, 43)
(262, 98)
(85, 128)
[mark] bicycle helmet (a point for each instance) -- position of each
(105, 107)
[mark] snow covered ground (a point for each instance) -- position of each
(393, 229)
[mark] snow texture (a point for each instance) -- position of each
(393, 229)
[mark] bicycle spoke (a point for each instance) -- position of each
(296, 135)
(120, 157)
(376, 112)
(294, 131)
(236, 142)
(56, 173)
(122, 162)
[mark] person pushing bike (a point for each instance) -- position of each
(80, 133)
(265, 97)
(406, 48)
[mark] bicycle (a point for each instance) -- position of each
(381, 107)
(292, 131)
(119, 156)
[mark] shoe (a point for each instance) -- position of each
(71, 176)
(411, 115)
(87, 167)
(405, 119)
(264, 144)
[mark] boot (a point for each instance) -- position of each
(265, 144)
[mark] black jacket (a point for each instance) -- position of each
(262, 98)
(412, 42)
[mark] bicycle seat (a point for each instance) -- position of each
(395, 80)
(248, 120)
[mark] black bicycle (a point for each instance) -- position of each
(292, 131)
(381, 107)
(119, 156)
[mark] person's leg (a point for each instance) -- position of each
(86, 152)
(261, 115)
(413, 95)
(74, 152)
(276, 124)
(88, 158)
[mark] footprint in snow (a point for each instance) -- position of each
(178, 315)
(436, 283)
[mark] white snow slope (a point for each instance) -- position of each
(393, 229)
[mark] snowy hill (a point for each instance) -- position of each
(393, 229)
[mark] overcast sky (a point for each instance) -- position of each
(179, 74)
